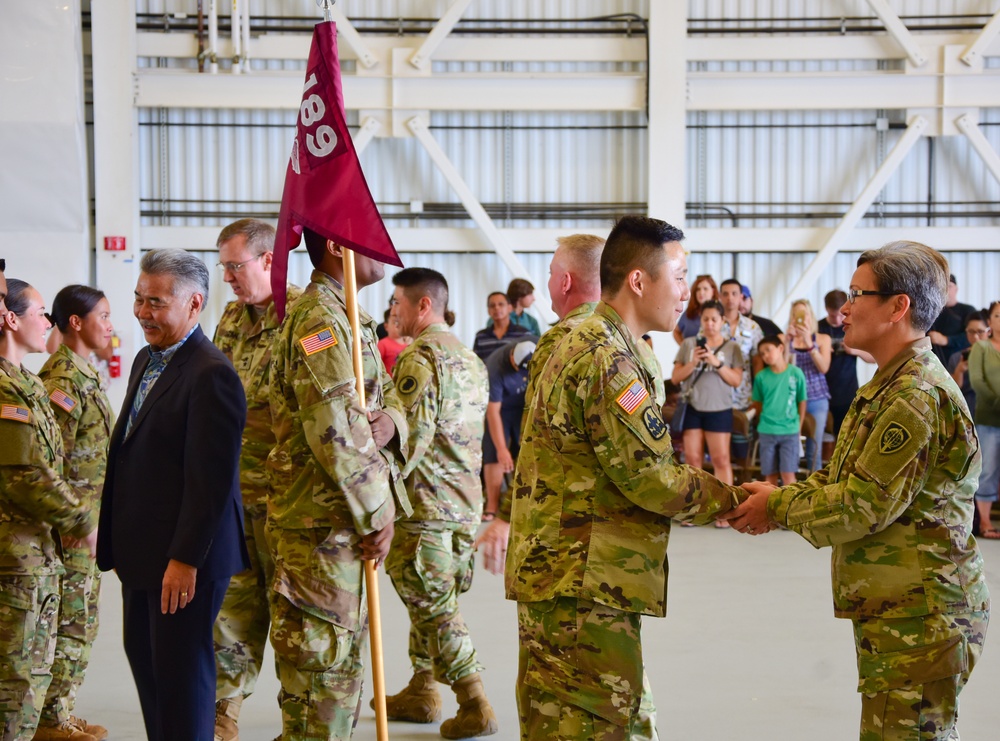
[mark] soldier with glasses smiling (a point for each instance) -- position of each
(895, 503)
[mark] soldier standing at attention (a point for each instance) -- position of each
(895, 502)
(442, 385)
(245, 335)
(336, 489)
(594, 493)
(82, 409)
(34, 499)
(575, 288)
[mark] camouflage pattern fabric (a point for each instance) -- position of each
(747, 335)
(330, 486)
(431, 564)
(595, 490)
(84, 414)
(443, 388)
(246, 335)
(29, 613)
(580, 673)
(596, 485)
(896, 501)
(912, 671)
(34, 498)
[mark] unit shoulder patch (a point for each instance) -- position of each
(654, 423)
(894, 437)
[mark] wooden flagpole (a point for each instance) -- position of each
(371, 573)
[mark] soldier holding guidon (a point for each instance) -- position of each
(895, 503)
(336, 490)
(595, 490)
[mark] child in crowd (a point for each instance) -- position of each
(779, 396)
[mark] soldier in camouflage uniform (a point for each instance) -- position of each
(443, 387)
(594, 494)
(245, 335)
(336, 490)
(83, 316)
(895, 502)
(34, 498)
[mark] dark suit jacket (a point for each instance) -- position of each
(172, 488)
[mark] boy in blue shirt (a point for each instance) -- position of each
(779, 396)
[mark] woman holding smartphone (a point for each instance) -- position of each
(811, 352)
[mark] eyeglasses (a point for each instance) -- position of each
(977, 332)
(853, 293)
(235, 267)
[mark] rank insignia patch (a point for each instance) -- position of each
(894, 437)
(318, 341)
(407, 385)
(15, 413)
(62, 400)
(654, 423)
(632, 397)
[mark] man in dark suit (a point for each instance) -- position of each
(171, 518)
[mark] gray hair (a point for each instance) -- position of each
(582, 257)
(913, 269)
(185, 268)
(259, 235)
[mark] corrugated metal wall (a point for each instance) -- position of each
(571, 171)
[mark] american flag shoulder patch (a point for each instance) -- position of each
(632, 397)
(15, 413)
(318, 341)
(62, 400)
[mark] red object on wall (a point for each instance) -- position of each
(114, 244)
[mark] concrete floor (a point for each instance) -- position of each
(750, 650)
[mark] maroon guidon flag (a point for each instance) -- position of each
(325, 189)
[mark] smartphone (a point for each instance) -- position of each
(701, 342)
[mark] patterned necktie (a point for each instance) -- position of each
(153, 371)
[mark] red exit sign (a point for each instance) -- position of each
(114, 244)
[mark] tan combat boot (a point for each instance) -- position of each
(227, 712)
(419, 702)
(475, 715)
(98, 732)
(65, 731)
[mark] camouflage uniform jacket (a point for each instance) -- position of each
(547, 343)
(896, 499)
(245, 335)
(443, 386)
(33, 495)
(325, 473)
(596, 484)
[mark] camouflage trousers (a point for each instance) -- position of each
(580, 673)
(29, 616)
(241, 629)
(911, 671)
(78, 622)
(321, 669)
(430, 564)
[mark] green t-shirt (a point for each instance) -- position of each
(779, 395)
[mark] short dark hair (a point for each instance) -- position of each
(419, 282)
(771, 339)
(496, 293)
(74, 300)
(518, 289)
(730, 282)
(834, 299)
(635, 242)
(982, 316)
(315, 246)
(712, 304)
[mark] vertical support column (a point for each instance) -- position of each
(667, 90)
(116, 168)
